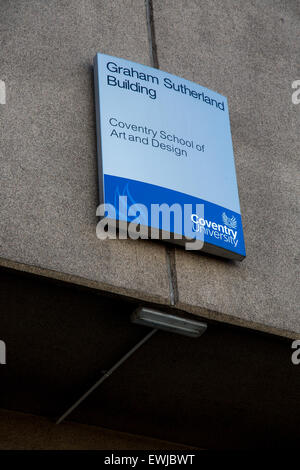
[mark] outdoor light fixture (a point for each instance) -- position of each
(163, 321)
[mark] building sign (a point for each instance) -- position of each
(165, 143)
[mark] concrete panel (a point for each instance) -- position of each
(48, 185)
(248, 51)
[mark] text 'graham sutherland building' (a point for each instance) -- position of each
(120, 328)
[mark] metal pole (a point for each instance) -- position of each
(106, 375)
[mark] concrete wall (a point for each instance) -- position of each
(247, 51)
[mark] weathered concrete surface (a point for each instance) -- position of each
(246, 51)
(249, 52)
(48, 185)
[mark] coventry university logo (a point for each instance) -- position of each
(230, 222)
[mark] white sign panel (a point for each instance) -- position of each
(166, 140)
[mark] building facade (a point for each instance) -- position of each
(67, 295)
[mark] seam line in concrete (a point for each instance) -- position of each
(172, 275)
(170, 252)
(151, 34)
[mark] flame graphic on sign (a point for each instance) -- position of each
(230, 222)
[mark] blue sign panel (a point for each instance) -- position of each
(163, 140)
